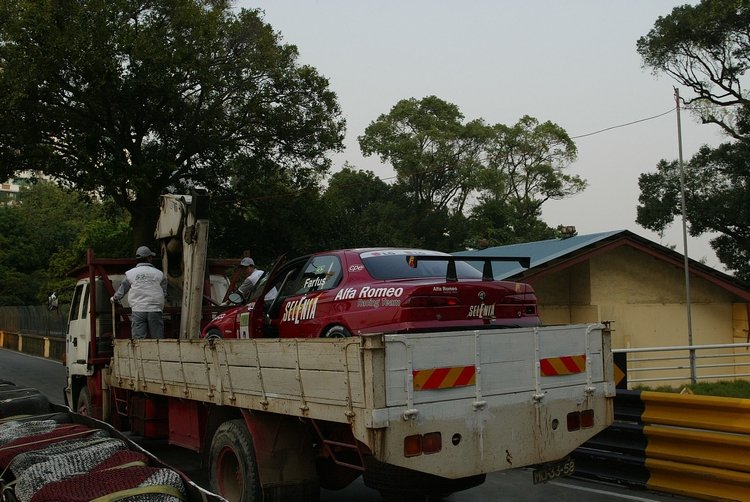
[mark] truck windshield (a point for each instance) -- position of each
(389, 267)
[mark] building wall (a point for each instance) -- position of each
(644, 297)
(565, 298)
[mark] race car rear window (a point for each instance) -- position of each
(396, 266)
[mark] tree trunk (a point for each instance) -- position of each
(143, 219)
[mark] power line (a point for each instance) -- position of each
(624, 125)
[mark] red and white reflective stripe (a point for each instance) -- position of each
(564, 365)
(444, 378)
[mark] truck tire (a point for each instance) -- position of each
(83, 403)
(233, 470)
(398, 484)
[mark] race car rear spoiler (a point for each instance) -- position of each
(451, 274)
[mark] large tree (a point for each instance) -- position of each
(442, 162)
(525, 166)
(717, 197)
(429, 147)
(132, 98)
(706, 48)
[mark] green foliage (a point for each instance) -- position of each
(497, 223)
(362, 210)
(16, 259)
(717, 197)
(280, 213)
(737, 388)
(46, 235)
(432, 152)
(132, 99)
(525, 165)
(705, 48)
(724, 388)
(442, 162)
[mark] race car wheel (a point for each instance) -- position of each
(337, 332)
(213, 334)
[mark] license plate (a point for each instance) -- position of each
(554, 470)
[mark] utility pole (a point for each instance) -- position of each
(693, 378)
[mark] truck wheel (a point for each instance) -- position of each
(233, 470)
(337, 332)
(83, 404)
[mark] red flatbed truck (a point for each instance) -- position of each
(276, 419)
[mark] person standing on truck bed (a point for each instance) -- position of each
(253, 274)
(146, 288)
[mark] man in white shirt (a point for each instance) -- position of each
(146, 288)
(253, 274)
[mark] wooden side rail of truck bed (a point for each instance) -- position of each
(499, 397)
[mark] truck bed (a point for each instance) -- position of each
(498, 397)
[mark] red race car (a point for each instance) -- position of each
(377, 290)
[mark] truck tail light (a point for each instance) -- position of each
(580, 420)
(413, 445)
(587, 419)
(432, 442)
(416, 444)
(574, 421)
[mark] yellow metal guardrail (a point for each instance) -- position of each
(37, 345)
(697, 445)
(684, 444)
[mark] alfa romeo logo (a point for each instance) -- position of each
(482, 296)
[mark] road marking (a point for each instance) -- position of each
(603, 492)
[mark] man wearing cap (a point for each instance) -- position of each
(146, 288)
(253, 274)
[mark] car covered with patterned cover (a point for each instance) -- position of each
(377, 290)
(49, 454)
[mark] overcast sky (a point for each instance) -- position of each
(571, 62)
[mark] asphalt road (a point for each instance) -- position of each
(516, 485)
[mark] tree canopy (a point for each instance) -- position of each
(130, 99)
(433, 153)
(507, 172)
(717, 197)
(706, 48)
(46, 234)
